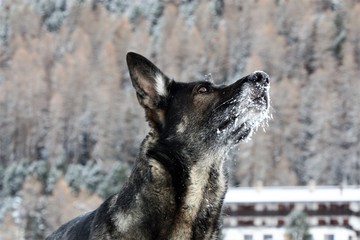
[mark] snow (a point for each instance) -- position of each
(293, 194)
(208, 77)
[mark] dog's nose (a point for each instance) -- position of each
(260, 77)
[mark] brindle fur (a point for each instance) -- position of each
(178, 183)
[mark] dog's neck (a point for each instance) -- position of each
(198, 181)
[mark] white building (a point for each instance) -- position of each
(333, 213)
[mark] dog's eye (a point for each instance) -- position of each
(203, 89)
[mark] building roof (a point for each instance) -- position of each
(304, 194)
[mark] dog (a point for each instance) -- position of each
(177, 186)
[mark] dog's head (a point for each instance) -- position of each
(199, 113)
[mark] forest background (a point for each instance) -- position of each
(70, 124)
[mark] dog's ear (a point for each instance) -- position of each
(151, 87)
(150, 83)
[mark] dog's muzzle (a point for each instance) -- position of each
(247, 108)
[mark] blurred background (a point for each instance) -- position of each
(70, 124)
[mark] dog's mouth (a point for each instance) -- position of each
(237, 133)
(246, 110)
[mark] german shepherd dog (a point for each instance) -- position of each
(178, 183)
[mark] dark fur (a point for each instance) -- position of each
(177, 186)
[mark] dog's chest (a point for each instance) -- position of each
(202, 202)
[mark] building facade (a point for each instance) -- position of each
(264, 213)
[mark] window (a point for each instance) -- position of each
(322, 207)
(268, 237)
(248, 237)
(246, 208)
(321, 222)
(245, 222)
(334, 222)
(329, 237)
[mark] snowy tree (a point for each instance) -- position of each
(14, 176)
(53, 12)
(88, 177)
(113, 180)
(297, 226)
